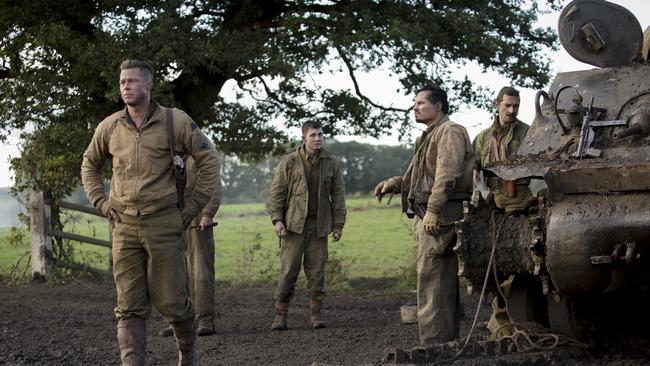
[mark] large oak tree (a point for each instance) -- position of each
(59, 65)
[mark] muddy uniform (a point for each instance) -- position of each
(494, 144)
(497, 143)
(437, 180)
(148, 240)
(200, 253)
(309, 199)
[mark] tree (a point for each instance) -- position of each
(59, 60)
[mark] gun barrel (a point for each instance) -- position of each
(634, 130)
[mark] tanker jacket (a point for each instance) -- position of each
(440, 171)
(211, 208)
(289, 196)
(143, 179)
(489, 150)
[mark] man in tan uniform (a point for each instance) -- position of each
(436, 182)
(147, 217)
(307, 202)
(496, 143)
(200, 258)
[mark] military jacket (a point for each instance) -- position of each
(288, 195)
(143, 179)
(440, 170)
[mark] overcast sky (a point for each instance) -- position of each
(474, 120)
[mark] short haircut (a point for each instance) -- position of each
(507, 90)
(310, 125)
(138, 64)
(435, 94)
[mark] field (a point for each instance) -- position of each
(376, 247)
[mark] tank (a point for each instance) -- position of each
(587, 234)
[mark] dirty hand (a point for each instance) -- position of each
(430, 222)
(476, 177)
(337, 233)
(280, 230)
(205, 223)
(390, 185)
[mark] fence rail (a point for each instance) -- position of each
(42, 232)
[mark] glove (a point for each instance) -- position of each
(390, 185)
(430, 222)
(109, 212)
(337, 233)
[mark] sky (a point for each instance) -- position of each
(378, 88)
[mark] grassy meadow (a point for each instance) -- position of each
(376, 244)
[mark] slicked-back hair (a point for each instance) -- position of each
(310, 125)
(435, 94)
(138, 64)
(507, 90)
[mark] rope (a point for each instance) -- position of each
(495, 237)
(526, 337)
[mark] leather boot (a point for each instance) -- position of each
(185, 339)
(132, 340)
(280, 321)
(314, 314)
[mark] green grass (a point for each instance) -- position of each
(377, 243)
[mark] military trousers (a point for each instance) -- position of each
(200, 266)
(149, 266)
(309, 249)
(437, 287)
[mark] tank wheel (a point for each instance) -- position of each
(526, 301)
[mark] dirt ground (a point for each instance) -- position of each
(74, 325)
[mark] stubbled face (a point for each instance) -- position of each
(425, 111)
(313, 139)
(135, 86)
(508, 108)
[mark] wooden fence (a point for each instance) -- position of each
(42, 232)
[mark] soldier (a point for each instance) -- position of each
(436, 182)
(200, 258)
(496, 143)
(147, 212)
(307, 202)
(500, 142)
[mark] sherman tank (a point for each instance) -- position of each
(586, 235)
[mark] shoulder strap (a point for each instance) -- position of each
(177, 162)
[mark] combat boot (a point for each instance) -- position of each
(185, 339)
(314, 314)
(205, 328)
(132, 340)
(280, 321)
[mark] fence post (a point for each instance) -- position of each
(41, 246)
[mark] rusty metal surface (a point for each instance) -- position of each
(582, 226)
(474, 245)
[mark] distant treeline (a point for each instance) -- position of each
(363, 166)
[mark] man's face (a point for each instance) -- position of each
(508, 108)
(313, 139)
(424, 111)
(134, 86)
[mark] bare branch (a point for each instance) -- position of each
(357, 90)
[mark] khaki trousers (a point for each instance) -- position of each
(312, 251)
(200, 263)
(149, 266)
(437, 288)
